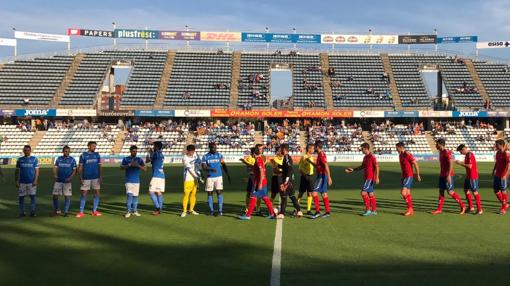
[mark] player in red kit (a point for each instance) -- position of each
(260, 186)
(446, 177)
(471, 181)
(371, 176)
(500, 174)
(322, 182)
(407, 161)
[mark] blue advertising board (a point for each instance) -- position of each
(470, 114)
(35, 112)
(401, 114)
(155, 113)
(280, 38)
(457, 39)
(136, 34)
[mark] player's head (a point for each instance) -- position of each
(278, 152)
(401, 147)
(66, 150)
(157, 145)
(92, 146)
(500, 145)
(310, 148)
(27, 150)
(462, 149)
(190, 150)
(259, 148)
(365, 148)
(212, 147)
(252, 151)
(440, 144)
(133, 150)
(284, 149)
(318, 146)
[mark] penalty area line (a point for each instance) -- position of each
(276, 265)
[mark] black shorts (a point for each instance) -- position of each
(249, 186)
(276, 181)
(306, 184)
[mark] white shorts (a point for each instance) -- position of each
(157, 185)
(87, 184)
(62, 189)
(26, 190)
(213, 184)
(133, 188)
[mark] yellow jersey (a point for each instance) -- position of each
(305, 166)
(278, 161)
(250, 160)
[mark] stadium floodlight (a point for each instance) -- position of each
(15, 46)
(370, 34)
(187, 30)
(114, 39)
(435, 46)
(267, 44)
(294, 32)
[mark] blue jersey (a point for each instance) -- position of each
(213, 162)
(132, 173)
(91, 162)
(157, 160)
(65, 167)
(27, 166)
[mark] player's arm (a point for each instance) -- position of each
(311, 161)
(16, 176)
(376, 169)
(142, 166)
(36, 178)
(55, 171)
(450, 170)
(350, 170)
(72, 175)
(243, 160)
(224, 167)
(100, 171)
(494, 170)
(328, 173)
(417, 170)
(189, 168)
(259, 179)
(124, 165)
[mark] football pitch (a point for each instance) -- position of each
(346, 249)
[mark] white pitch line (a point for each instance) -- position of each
(277, 255)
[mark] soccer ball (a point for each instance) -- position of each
(276, 210)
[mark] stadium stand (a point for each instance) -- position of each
(478, 139)
(275, 135)
(384, 139)
(358, 82)
(194, 78)
(337, 138)
(496, 79)
(34, 80)
(230, 139)
(13, 139)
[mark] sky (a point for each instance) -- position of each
(488, 19)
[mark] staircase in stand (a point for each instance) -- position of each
(476, 78)
(165, 79)
(368, 139)
(397, 102)
(68, 77)
(431, 141)
(258, 137)
(326, 81)
(119, 142)
(234, 82)
(38, 136)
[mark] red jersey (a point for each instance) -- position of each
(445, 157)
(502, 160)
(406, 164)
(471, 173)
(321, 163)
(259, 172)
(369, 164)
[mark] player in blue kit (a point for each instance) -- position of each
(90, 176)
(132, 165)
(63, 172)
(213, 163)
(157, 184)
(26, 177)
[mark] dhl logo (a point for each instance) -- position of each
(221, 36)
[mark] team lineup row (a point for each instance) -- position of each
(315, 178)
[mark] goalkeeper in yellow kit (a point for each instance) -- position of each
(192, 177)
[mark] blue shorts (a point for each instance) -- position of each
(368, 186)
(471, 185)
(499, 184)
(444, 185)
(321, 184)
(407, 182)
(259, 194)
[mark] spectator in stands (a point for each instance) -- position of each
(293, 53)
(186, 95)
(331, 71)
(26, 101)
(370, 90)
(350, 78)
(385, 77)
(219, 52)
(277, 53)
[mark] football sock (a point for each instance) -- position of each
(440, 202)
(210, 201)
(259, 202)
(251, 206)
(67, 204)
(366, 201)
(95, 203)
(185, 200)
(160, 201)
(504, 195)
(317, 204)
(457, 199)
(469, 198)
(373, 203)
(83, 199)
(21, 200)
(55, 204)
(295, 203)
(135, 203)
(478, 201)
(129, 202)
(409, 201)
(326, 204)
(499, 196)
(220, 202)
(154, 199)
(283, 203)
(269, 205)
(309, 203)
(32, 203)
(192, 199)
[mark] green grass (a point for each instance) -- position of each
(346, 249)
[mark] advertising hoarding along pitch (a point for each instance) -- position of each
(282, 113)
(41, 37)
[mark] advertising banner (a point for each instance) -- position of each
(136, 34)
(417, 39)
(359, 39)
(89, 33)
(283, 113)
(457, 39)
(470, 114)
(118, 113)
(7, 42)
(220, 36)
(41, 37)
(432, 113)
(307, 38)
(368, 113)
(281, 38)
(192, 113)
(35, 112)
(401, 114)
(493, 45)
(154, 113)
(179, 35)
(76, 112)
(498, 114)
